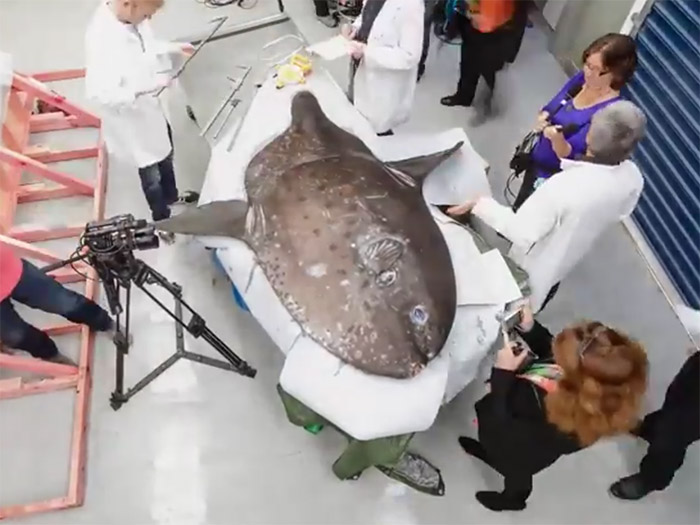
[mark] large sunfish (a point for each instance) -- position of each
(346, 241)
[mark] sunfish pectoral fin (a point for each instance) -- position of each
(419, 168)
(220, 218)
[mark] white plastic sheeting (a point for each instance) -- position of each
(362, 405)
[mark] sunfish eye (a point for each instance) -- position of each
(419, 316)
(386, 278)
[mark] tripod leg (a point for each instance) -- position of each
(239, 364)
(170, 361)
(196, 326)
(179, 332)
(141, 275)
(204, 360)
(121, 348)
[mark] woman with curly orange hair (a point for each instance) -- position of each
(586, 383)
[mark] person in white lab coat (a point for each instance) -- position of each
(126, 65)
(386, 46)
(559, 224)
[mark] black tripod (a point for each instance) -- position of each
(118, 271)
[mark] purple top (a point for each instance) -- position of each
(546, 160)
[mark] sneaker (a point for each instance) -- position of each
(167, 237)
(61, 359)
(328, 21)
(189, 197)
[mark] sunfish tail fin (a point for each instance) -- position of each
(419, 168)
(216, 219)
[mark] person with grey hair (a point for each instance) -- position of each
(563, 123)
(560, 222)
(615, 131)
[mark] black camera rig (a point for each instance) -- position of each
(108, 246)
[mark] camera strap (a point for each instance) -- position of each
(544, 375)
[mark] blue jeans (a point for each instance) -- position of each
(159, 186)
(40, 291)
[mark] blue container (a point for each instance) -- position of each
(237, 297)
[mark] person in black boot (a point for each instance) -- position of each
(669, 431)
(586, 383)
(485, 28)
(323, 14)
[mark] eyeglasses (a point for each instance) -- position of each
(586, 343)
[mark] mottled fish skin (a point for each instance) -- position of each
(349, 246)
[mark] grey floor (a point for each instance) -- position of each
(205, 446)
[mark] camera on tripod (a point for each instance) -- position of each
(119, 233)
(108, 246)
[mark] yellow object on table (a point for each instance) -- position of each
(294, 71)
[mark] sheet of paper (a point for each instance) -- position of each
(331, 49)
(503, 286)
(484, 279)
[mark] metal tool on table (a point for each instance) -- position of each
(270, 63)
(220, 21)
(229, 101)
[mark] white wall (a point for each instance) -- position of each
(582, 21)
(552, 11)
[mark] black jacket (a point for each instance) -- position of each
(513, 428)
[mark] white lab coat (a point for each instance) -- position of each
(386, 78)
(559, 223)
(117, 68)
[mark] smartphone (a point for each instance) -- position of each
(511, 319)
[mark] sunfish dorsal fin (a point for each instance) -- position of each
(216, 219)
(418, 168)
(307, 113)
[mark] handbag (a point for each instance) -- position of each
(522, 157)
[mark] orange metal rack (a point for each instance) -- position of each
(17, 157)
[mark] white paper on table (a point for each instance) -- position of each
(504, 288)
(331, 49)
(484, 279)
(459, 179)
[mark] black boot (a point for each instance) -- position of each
(498, 501)
(455, 100)
(630, 488)
(473, 448)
